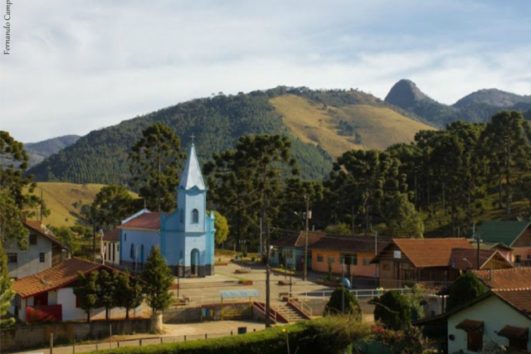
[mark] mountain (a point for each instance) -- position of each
(40, 150)
(322, 124)
(478, 106)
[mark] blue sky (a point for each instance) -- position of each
(76, 66)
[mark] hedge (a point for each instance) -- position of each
(329, 335)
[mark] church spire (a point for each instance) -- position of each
(191, 176)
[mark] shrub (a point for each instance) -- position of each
(465, 289)
(331, 335)
(343, 302)
(394, 310)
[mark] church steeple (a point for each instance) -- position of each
(191, 176)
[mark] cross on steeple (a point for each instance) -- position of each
(192, 137)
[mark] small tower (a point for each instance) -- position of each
(191, 196)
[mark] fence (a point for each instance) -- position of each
(110, 343)
(358, 293)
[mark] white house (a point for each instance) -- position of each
(49, 295)
(498, 318)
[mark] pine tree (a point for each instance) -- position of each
(11, 227)
(343, 302)
(128, 292)
(157, 279)
(6, 294)
(86, 291)
(402, 219)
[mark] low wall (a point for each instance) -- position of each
(214, 312)
(38, 335)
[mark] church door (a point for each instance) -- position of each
(194, 262)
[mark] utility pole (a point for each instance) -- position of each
(261, 245)
(478, 241)
(306, 226)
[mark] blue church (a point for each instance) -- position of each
(185, 236)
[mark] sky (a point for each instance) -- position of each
(76, 66)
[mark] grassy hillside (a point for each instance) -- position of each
(65, 200)
(321, 124)
(338, 129)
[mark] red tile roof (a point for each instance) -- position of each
(38, 227)
(56, 277)
(430, 252)
(519, 299)
(297, 240)
(518, 278)
(466, 258)
(112, 235)
(146, 221)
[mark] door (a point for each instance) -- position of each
(194, 262)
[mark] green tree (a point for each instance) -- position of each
(394, 310)
(401, 217)
(298, 194)
(157, 279)
(67, 237)
(155, 162)
(11, 227)
(338, 229)
(343, 302)
(111, 205)
(86, 291)
(507, 147)
(106, 291)
(222, 228)
(128, 292)
(465, 289)
(6, 294)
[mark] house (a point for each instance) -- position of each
(110, 247)
(514, 234)
(184, 236)
(408, 260)
(348, 255)
(289, 250)
(463, 259)
(513, 278)
(49, 295)
(43, 251)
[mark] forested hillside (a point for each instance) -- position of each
(353, 119)
(40, 150)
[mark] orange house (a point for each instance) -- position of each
(347, 255)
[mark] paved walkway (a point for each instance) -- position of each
(173, 333)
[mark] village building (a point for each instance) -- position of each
(349, 256)
(110, 247)
(463, 259)
(49, 295)
(185, 236)
(513, 234)
(42, 252)
(405, 261)
(289, 250)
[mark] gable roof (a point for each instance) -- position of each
(145, 221)
(55, 277)
(505, 232)
(191, 175)
(112, 235)
(466, 258)
(298, 240)
(39, 228)
(349, 243)
(520, 300)
(429, 252)
(506, 279)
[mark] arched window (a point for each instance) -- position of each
(132, 252)
(195, 216)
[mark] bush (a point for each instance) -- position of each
(394, 310)
(343, 302)
(465, 289)
(331, 335)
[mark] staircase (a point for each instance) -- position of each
(290, 313)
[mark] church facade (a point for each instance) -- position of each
(185, 236)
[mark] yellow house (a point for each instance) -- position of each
(350, 256)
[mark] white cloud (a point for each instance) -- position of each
(78, 66)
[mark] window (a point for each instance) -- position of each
(125, 236)
(42, 257)
(33, 239)
(331, 260)
(195, 216)
(319, 258)
(517, 259)
(366, 261)
(349, 259)
(132, 252)
(12, 258)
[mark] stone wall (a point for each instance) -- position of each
(230, 311)
(35, 336)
